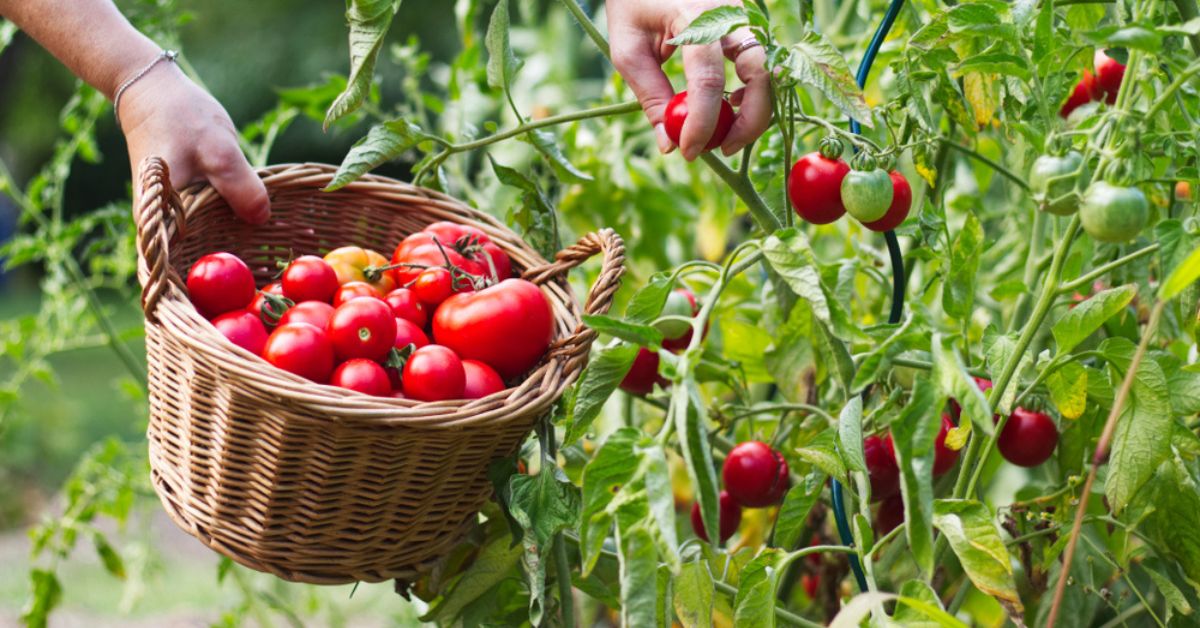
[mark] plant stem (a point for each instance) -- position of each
(562, 572)
(763, 216)
(596, 112)
(1188, 12)
(1099, 271)
(781, 613)
(588, 27)
(1008, 174)
(1169, 92)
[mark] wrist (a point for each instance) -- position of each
(165, 57)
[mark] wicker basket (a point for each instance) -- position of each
(315, 483)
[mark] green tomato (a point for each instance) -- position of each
(867, 194)
(1114, 214)
(1055, 196)
(677, 305)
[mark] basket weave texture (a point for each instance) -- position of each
(309, 482)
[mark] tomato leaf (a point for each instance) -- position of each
(954, 382)
(643, 335)
(913, 616)
(1176, 499)
(502, 64)
(383, 143)
(45, 596)
(597, 383)
(793, 514)
(968, 526)
(791, 358)
(647, 303)
(815, 61)
(369, 22)
(603, 478)
(542, 504)
(711, 26)
(108, 556)
(496, 560)
(535, 219)
(1079, 323)
(687, 410)
(958, 292)
(547, 144)
(914, 432)
(693, 595)
(754, 604)
(1186, 273)
(641, 590)
(850, 438)
(821, 452)
(1142, 438)
(1068, 389)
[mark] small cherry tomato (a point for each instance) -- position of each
(242, 329)
(898, 210)
(811, 584)
(815, 188)
(219, 283)
(266, 307)
(406, 305)
(315, 313)
(434, 373)
(407, 333)
(679, 344)
(1183, 190)
(1115, 214)
(302, 349)
(882, 469)
(729, 519)
(1085, 91)
(755, 475)
(677, 111)
(481, 380)
(463, 246)
(944, 458)
(867, 194)
(353, 290)
(1052, 182)
(364, 376)
(309, 278)
(354, 263)
(433, 286)
(643, 375)
(363, 328)
(1028, 438)
(1109, 73)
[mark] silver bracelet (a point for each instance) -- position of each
(167, 55)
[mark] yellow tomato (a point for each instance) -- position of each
(351, 263)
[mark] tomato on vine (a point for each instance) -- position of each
(867, 194)
(643, 375)
(815, 188)
(755, 474)
(1028, 438)
(729, 519)
(890, 514)
(1084, 92)
(1112, 213)
(433, 286)
(1052, 179)
(461, 246)
(944, 458)
(269, 304)
(1109, 73)
(882, 470)
(220, 282)
(677, 111)
(898, 210)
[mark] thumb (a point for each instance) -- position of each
(230, 174)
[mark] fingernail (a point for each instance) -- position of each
(732, 148)
(665, 145)
(691, 154)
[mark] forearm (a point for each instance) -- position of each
(90, 37)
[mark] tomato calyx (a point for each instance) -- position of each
(831, 147)
(273, 307)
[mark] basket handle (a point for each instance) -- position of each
(599, 298)
(157, 206)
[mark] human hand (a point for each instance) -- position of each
(638, 33)
(165, 114)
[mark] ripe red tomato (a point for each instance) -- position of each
(434, 373)
(219, 283)
(729, 519)
(889, 515)
(1085, 91)
(507, 326)
(309, 278)
(755, 475)
(677, 111)
(643, 374)
(363, 328)
(433, 286)
(405, 305)
(407, 333)
(898, 210)
(481, 380)
(351, 263)
(882, 469)
(815, 188)
(1028, 438)
(242, 329)
(353, 290)
(364, 376)
(302, 349)
(944, 458)
(811, 584)
(266, 308)
(315, 313)
(1109, 73)
(466, 247)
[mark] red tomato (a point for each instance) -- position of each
(898, 210)
(309, 278)
(363, 376)
(1109, 73)
(405, 305)
(944, 458)
(267, 309)
(407, 333)
(1028, 438)
(728, 520)
(677, 111)
(433, 286)
(466, 247)
(302, 349)
(643, 374)
(363, 328)
(242, 329)
(755, 475)
(682, 342)
(882, 469)
(219, 283)
(811, 584)
(315, 313)
(1085, 91)
(815, 187)
(481, 380)
(507, 326)
(434, 373)
(353, 290)
(889, 515)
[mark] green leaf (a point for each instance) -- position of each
(793, 514)
(968, 526)
(46, 594)
(1084, 319)
(597, 383)
(638, 334)
(958, 293)
(1068, 389)
(856, 610)
(1176, 499)
(495, 562)
(850, 437)
(647, 303)
(954, 382)
(821, 452)
(108, 556)
(688, 413)
(1142, 438)
(711, 26)
(383, 143)
(502, 64)
(536, 219)
(1167, 588)
(996, 63)
(912, 616)
(542, 505)
(754, 604)
(817, 62)
(791, 358)
(1183, 276)
(603, 479)
(694, 592)
(660, 498)
(790, 255)
(639, 570)
(369, 22)
(547, 144)
(914, 433)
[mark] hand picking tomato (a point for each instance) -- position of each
(755, 475)
(219, 283)
(364, 376)
(315, 313)
(434, 373)
(302, 349)
(353, 290)
(269, 304)
(1085, 91)
(363, 328)
(354, 263)
(867, 194)
(1109, 73)
(677, 111)
(898, 210)
(405, 305)
(462, 246)
(1111, 213)
(944, 458)
(815, 188)
(1028, 438)
(1052, 183)
(507, 326)
(643, 374)
(480, 380)
(433, 286)
(882, 469)
(407, 333)
(729, 519)
(242, 329)
(309, 278)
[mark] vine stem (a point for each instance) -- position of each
(1008, 174)
(1084, 280)
(1099, 457)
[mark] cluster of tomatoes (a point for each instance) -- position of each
(1103, 85)
(755, 476)
(1028, 439)
(360, 321)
